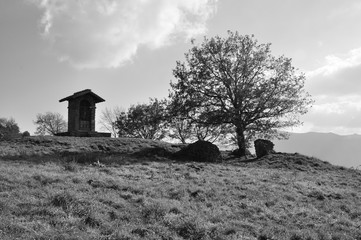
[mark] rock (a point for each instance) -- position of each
(200, 151)
(263, 147)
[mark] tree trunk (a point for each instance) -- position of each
(241, 141)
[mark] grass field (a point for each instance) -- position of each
(127, 196)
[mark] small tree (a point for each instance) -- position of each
(108, 120)
(50, 123)
(143, 121)
(8, 128)
(237, 81)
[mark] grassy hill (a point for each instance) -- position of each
(71, 188)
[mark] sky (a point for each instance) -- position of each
(125, 50)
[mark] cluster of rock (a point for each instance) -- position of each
(203, 151)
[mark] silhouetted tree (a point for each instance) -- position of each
(236, 81)
(143, 121)
(108, 120)
(8, 128)
(50, 123)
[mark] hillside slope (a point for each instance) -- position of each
(148, 196)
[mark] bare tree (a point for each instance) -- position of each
(50, 123)
(108, 120)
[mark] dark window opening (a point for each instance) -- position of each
(85, 115)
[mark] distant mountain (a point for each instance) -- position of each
(342, 150)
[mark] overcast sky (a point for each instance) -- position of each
(125, 50)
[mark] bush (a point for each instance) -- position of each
(25, 134)
(9, 129)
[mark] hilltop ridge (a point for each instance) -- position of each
(140, 148)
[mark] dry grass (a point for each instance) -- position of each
(136, 197)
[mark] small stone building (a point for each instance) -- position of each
(81, 114)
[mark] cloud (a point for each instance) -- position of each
(340, 76)
(340, 115)
(336, 87)
(108, 33)
(338, 111)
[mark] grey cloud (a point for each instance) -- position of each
(346, 81)
(108, 33)
(335, 114)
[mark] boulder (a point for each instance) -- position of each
(200, 151)
(263, 147)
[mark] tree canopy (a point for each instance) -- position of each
(237, 81)
(142, 121)
(8, 128)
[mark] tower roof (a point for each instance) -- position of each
(82, 93)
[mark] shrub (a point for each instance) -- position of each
(25, 134)
(9, 129)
